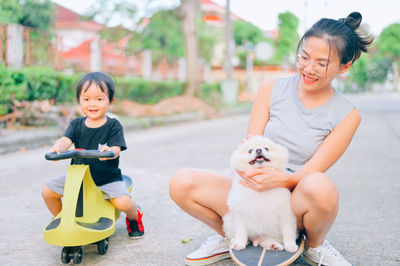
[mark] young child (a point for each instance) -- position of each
(95, 130)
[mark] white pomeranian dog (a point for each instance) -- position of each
(265, 218)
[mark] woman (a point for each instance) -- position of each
(315, 122)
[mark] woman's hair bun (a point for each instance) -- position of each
(353, 20)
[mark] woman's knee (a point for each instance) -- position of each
(181, 183)
(320, 191)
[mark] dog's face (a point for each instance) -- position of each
(259, 152)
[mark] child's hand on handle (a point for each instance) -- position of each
(61, 144)
(114, 149)
(56, 148)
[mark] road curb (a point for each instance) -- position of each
(21, 140)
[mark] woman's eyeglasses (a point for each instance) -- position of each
(304, 61)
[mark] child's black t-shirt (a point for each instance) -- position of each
(110, 134)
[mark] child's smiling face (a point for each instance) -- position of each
(94, 102)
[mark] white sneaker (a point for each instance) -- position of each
(214, 249)
(324, 255)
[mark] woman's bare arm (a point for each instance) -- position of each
(331, 149)
(260, 111)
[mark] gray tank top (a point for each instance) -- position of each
(299, 129)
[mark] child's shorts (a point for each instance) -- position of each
(110, 190)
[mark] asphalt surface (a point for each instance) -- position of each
(366, 231)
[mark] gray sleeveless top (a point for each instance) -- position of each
(297, 128)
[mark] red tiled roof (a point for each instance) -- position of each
(211, 6)
(65, 15)
(66, 18)
(211, 17)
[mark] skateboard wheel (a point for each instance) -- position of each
(102, 246)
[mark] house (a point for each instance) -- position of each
(214, 14)
(72, 30)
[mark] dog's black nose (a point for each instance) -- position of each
(258, 151)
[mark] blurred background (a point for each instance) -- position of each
(171, 56)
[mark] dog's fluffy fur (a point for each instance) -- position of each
(265, 218)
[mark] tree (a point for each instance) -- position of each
(246, 32)
(10, 11)
(113, 12)
(359, 72)
(37, 14)
(288, 37)
(32, 13)
(389, 45)
(163, 35)
(189, 10)
(207, 38)
(170, 32)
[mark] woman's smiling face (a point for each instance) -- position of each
(318, 64)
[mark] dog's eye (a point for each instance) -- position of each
(266, 148)
(251, 150)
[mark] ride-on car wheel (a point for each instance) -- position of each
(102, 246)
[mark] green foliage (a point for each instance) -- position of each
(246, 32)
(37, 14)
(210, 93)
(43, 83)
(389, 40)
(374, 68)
(32, 13)
(114, 34)
(106, 11)
(145, 91)
(41, 52)
(369, 69)
(163, 35)
(389, 45)
(34, 83)
(207, 38)
(288, 38)
(378, 69)
(359, 72)
(10, 11)
(11, 87)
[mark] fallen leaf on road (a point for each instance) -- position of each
(187, 240)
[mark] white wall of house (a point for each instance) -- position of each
(71, 38)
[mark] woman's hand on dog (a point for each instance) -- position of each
(264, 178)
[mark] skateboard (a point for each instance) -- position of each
(261, 257)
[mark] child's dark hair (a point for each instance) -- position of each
(343, 34)
(105, 83)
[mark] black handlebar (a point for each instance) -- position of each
(78, 154)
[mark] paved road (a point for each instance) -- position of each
(366, 231)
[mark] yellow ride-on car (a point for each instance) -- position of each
(86, 216)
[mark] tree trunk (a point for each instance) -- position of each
(228, 42)
(189, 9)
(396, 75)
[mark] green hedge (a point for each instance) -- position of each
(44, 83)
(211, 93)
(9, 89)
(145, 91)
(34, 83)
